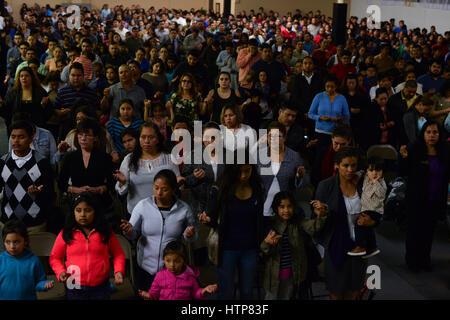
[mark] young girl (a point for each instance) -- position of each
(86, 243)
(125, 119)
(177, 280)
(158, 117)
(21, 272)
(284, 250)
(372, 204)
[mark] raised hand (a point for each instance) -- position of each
(44, 101)
(106, 92)
(118, 278)
(63, 146)
(119, 176)
(272, 238)
(190, 232)
(34, 189)
(300, 172)
(320, 208)
(125, 226)
(63, 277)
(203, 218)
(199, 173)
(144, 295)
(404, 152)
(210, 289)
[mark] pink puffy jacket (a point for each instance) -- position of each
(168, 286)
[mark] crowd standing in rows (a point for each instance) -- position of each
(90, 114)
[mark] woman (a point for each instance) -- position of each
(138, 169)
(426, 165)
(328, 108)
(285, 171)
(221, 96)
(236, 135)
(339, 196)
(27, 96)
(381, 125)
(155, 221)
(157, 77)
(357, 100)
(441, 107)
(140, 57)
(236, 213)
(163, 54)
(124, 119)
(187, 101)
(89, 167)
(50, 64)
(79, 113)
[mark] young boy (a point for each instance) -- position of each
(372, 201)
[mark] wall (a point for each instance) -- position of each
(414, 16)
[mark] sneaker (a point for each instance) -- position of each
(358, 251)
(372, 253)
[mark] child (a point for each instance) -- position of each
(177, 280)
(21, 272)
(284, 250)
(157, 117)
(372, 201)
(129, 137)
(86, 243)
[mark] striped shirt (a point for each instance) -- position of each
(87, 66)
(115, 128)
(68, 94)
(285, 258)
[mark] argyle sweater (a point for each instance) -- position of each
(14, 181)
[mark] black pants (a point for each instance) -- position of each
(144, 279)
(365, 236)
(421, 224)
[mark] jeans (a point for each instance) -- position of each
(246, 261)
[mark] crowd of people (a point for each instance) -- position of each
(94, 117)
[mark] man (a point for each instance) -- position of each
(194, 67)
(12, 67)
(383, 61)
(113, 57)
(193, 41)
(324, 165)
(274, 70)
(383, 81)
(172, 43)
(86, 47)
(402, 101)
(27, 181)
(43, 140)
(14, 52)
(432, 81)
(125, 88)
(344, 67)
(420, 65)
(314, 27)
(135, 69)
(161, 32)
(134, 42)
(300, 53)
(66, 96)
(48, 54)
(308, 44)
(246, 58)
(303, 89)
(121, 30)
(31, 54)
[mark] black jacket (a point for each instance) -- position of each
(302, 93)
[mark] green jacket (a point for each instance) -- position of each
(272, 254)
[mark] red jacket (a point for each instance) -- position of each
(90, 255)
(340, 71)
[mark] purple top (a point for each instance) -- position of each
(436, 175)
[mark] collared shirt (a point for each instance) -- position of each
(20, 161)
(135, 93)
(309, 79)
(44, 143)
(409, 102)
(68, 94)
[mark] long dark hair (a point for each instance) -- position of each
(441, 146)
(137, 152)
(285, 195)
(229, 180)
(171, 179)
(100, 224)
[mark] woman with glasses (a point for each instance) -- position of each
(187, 101)
(89, 167)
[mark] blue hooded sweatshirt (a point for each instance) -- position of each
(21, 277)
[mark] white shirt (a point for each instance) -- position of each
(238, 139)
(214, 167)
(373, 91)
(122, 33)
(20, 161)
(2, 23)
(353, 206)
(401, 86)
(308, 78)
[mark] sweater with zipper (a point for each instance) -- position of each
(155, 229)
(90, 255)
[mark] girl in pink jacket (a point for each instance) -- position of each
(177, 280)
